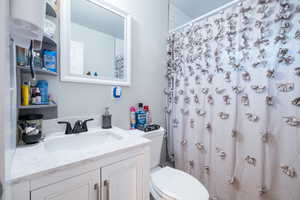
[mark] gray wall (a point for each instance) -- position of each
(149, 32)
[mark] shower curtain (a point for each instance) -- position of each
(233, 100)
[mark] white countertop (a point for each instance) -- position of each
(35, 160)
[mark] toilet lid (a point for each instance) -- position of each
(173, 184)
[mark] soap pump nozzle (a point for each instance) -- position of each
(106, 113)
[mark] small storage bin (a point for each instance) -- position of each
(30, 128)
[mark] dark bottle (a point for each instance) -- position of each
(106, 119)
(140, 117)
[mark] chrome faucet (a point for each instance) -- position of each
(79, 126)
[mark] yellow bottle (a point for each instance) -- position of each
(25, 94)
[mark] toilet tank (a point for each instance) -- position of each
(156, 144)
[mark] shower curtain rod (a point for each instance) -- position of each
(206, 15)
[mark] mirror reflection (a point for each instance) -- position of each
(97, 42)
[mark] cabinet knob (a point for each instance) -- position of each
(97, 188)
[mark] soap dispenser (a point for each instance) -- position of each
(106, 119)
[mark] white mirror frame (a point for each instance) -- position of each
(65, 38)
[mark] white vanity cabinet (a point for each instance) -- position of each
(124, 176)
(98, 165)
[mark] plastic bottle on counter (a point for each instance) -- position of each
(132, 117)
(140, 117)
(148, 115)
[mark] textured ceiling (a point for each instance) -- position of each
(196, 8)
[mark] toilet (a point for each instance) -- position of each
(168, 183)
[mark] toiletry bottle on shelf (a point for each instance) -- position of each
(33, 98)
(32, 94)
(38, 97)
(148, 115)
(25, 94)
(43, 89)
(140, 117)
(132, 117)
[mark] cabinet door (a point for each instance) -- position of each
(83, 187)
(123, 180)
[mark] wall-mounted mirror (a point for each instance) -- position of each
(95, 43)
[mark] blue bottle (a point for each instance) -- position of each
(43, 86)
(50, 60)
(140, 117)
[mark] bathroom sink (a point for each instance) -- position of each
(85, 141)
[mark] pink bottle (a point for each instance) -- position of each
(132, 117)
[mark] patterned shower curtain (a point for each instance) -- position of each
(233, 100)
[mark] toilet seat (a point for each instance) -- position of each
(172, 184)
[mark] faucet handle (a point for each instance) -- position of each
(77, 127)
(85, 121)
(68, 127)
(84, 125)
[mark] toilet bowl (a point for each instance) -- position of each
(168, 183)
(172, 184)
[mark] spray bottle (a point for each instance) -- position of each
(132, 117)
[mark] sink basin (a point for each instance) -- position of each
(83, 141)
